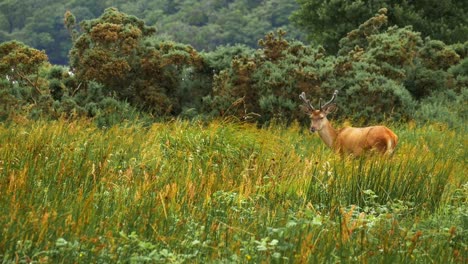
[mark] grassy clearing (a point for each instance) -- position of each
(188, 192)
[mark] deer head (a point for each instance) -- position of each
(318, 117)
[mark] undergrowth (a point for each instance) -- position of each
(184, 191)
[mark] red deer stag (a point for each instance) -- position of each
(350, 140)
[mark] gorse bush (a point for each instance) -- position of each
(445, 108)
(385, 97)
(380, 73)
(266, 85)
(383, 73)
(326, 22)
(36, 90)
(116, 50)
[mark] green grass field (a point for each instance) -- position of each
(187, 192)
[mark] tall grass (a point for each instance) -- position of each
(192, 192)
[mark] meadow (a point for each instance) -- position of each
(194, 192)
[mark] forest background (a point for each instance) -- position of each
(248, 59)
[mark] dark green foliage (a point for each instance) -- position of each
(436, 55)
(120, 67)
(56, 72)
(376, 98)
(359, 36)
(266, 84)
(23, 88)
(57, 89)
(30, 88)
(8, 103)
(202, 24)
(460, 74)
(461, 49)
(208, 24)
(429, 72)
(444, 107)
(110, 112)
(69, 108)
(396, 60)
(21, 63)
(116, 50)
(442, 20)
(221, 58)
(326, 22)
(381, 74)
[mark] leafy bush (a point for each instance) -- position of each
(118, 51)
(118, 64)
(326, 22)
(385, 72)
(376, 98)
(460, 75)
(21, 64)
(444, 107)
(266, 84)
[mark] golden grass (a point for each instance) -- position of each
(187, 191)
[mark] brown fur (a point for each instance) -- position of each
(359, 140)
(353, 140)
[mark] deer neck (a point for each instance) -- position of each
(328, 134)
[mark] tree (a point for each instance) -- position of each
(37, 24)
(21, 63)
(119, 52)
(23, 89)
(202, 24)
(265, 85)
(326, 22)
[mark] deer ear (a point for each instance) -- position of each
(329, 109)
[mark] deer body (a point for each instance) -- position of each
(350, 140)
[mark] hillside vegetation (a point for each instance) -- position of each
(207, 24)
(118, 66)
(204, 24)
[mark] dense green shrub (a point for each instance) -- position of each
(55, 94)
(221, 58)
(446, 107)
(372, 97)
(460, 75)
(21, 64)
(118, 66)
(8, 103)
(24, 90)
(265, 85)
(429, 73)
(326, 22)
(385, 72)
(69, 108)
(372, 65)
(117, 51)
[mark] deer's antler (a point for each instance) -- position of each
(306, 102)
(329, 102)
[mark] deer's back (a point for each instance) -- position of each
(357, 140)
